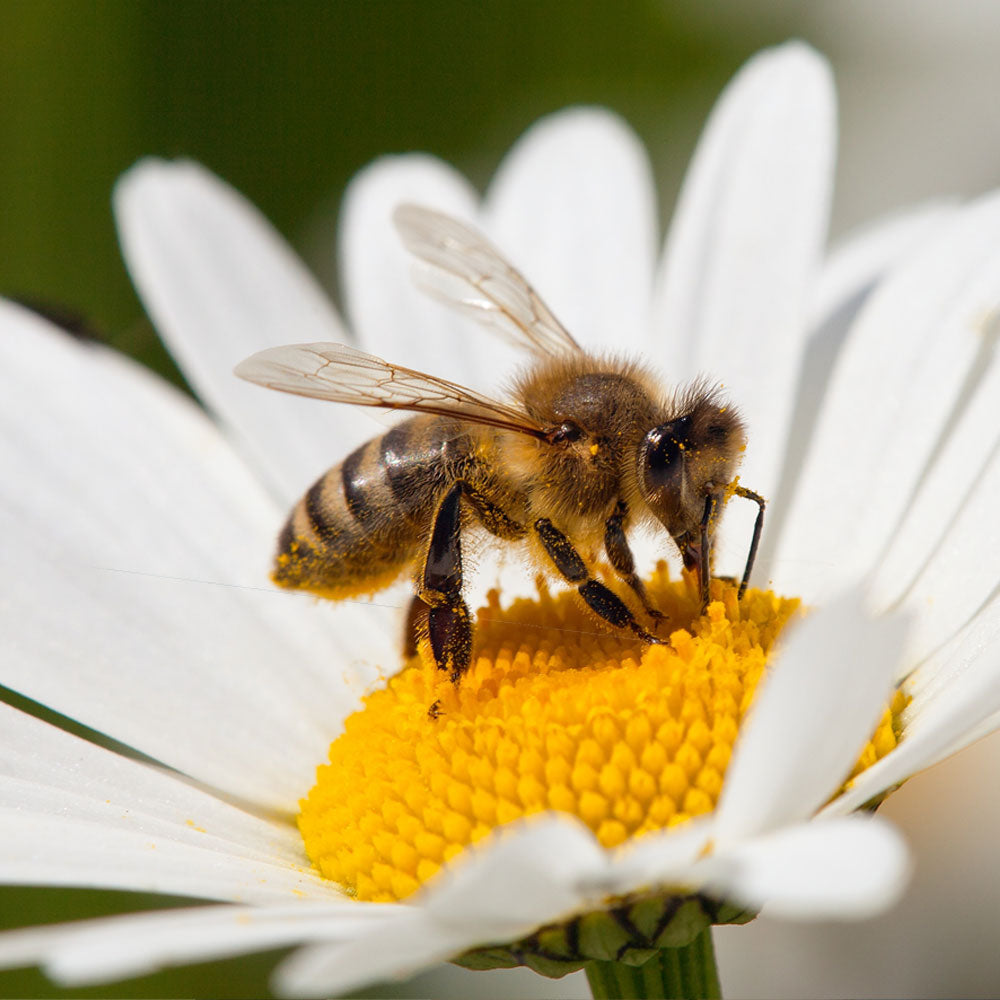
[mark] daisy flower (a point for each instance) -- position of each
(606, 814)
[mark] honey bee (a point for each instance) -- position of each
(585, 448)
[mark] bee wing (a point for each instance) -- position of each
(461, 267)
(345, 375)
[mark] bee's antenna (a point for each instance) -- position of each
(758, 527)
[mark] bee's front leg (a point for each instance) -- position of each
(449, 624)
(600, 599)
(620, 556)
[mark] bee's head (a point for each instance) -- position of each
(683, 460)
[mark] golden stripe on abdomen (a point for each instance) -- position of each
(346, 535)
(363, 522)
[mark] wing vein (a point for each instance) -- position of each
(457, 258)
(344, 374)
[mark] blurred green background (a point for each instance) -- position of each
(286, 101)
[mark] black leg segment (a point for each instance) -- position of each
(415, 627)
(443, 565)
(447, 621)
(705, 550)
(560, 549)
(492, 516)
(600, 599)
(449, 627)
(620, 556)
(449, 624)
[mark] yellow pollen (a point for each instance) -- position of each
(555, 713)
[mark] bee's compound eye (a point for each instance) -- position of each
(661, 450)
(566, 431)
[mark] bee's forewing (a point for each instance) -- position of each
(458, 265)
(344, 374)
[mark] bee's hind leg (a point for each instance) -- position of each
(415, 627)
(449, 623)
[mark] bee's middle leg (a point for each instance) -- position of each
(622, 561)
(600, 599)
(449, 624)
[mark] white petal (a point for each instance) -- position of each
(220, 284)
(743, 251)
(141, 546)
(860, 259)
(182, 673)
(394, 950)
(665, 858)
(118, 947)
(956, 698)
(529, 872)
(950, 536)
(75, 814)
(574, 206)
(525, 877)
(101, 456)
(847, 868)
(829, 683)
(390, 315)
(848, 277)
(898, 384)
(48, 849)
(51, 765)
(939, 941)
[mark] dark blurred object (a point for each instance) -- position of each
(71, 320)
(287, 101)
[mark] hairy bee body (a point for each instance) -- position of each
(581, 449)
(361, 523)
(369, 518)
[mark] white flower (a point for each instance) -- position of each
(137, 536)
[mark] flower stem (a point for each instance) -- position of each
(687, 973)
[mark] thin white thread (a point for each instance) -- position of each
(298, 594)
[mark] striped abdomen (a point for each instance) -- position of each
(365, 520)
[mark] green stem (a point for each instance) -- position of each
(687, 973)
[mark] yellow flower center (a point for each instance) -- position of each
(555, 713)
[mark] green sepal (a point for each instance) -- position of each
(483, 959)
(685, 973)
(688, 921)
(552, 968)
(601, 937)
(630, 933)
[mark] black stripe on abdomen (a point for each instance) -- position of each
(411, 462)
(326, 527)
(356, 476)
(287, 536)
